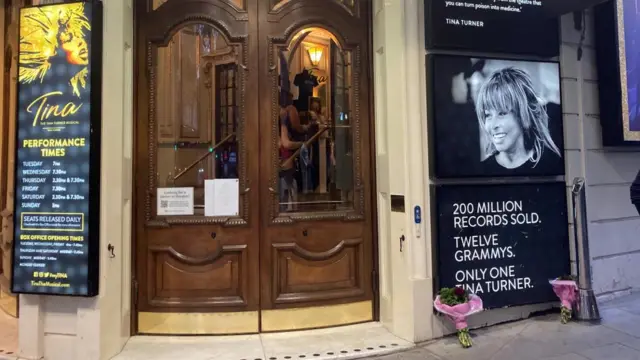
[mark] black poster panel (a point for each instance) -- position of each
(494, 117)
(502, 242)
(503, 26)
(57, 184)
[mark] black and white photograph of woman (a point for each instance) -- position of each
(500, 118)
(515, 123)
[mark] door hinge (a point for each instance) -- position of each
(374, 281)
(135, 292)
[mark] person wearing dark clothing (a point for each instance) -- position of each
(546, 163)
(290, 139)
(305, 82)
(635, 192)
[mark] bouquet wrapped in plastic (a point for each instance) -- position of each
(566, 289)
(457, 304)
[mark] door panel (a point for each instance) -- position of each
(210, 82)
(194, 126)
(316, 247)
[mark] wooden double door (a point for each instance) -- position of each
(238, 230)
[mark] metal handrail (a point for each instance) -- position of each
(313, 139)
(211, 151)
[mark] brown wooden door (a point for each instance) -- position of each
(316, 246)
(196, 75)
(209, 84)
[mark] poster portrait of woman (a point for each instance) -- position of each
(514, 123)
(500, 118)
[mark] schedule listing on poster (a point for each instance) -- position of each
(503, 242)
(53, 152)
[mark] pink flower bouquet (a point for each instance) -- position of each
(457, 304)
(567, 291)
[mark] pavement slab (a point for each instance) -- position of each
(616, 337)
(611, 352)
(8, 335)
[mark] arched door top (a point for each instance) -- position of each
(161, 24)
(350, 7)
(346, 28)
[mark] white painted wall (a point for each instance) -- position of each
(614, 224)
(400, 110)
(63, 328)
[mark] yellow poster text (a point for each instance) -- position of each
(43, 110)
(51, 237)
(58, 144)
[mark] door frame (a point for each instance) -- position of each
(139, 47)
(135, 108)
(375, 251)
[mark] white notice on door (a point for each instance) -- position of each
(221, 197)
(175, 201)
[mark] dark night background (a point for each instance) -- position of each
(528, 32)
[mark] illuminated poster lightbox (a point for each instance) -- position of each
(57, 165)
(492, 117)
(629, 37)
(502, 242)
(617, 35)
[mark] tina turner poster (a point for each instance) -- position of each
(493, 118)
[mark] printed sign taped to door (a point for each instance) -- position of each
(175, 201)
(221, 197)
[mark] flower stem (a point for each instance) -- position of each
(464, 338)
(565, 314)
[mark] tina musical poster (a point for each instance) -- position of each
(58, 150)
